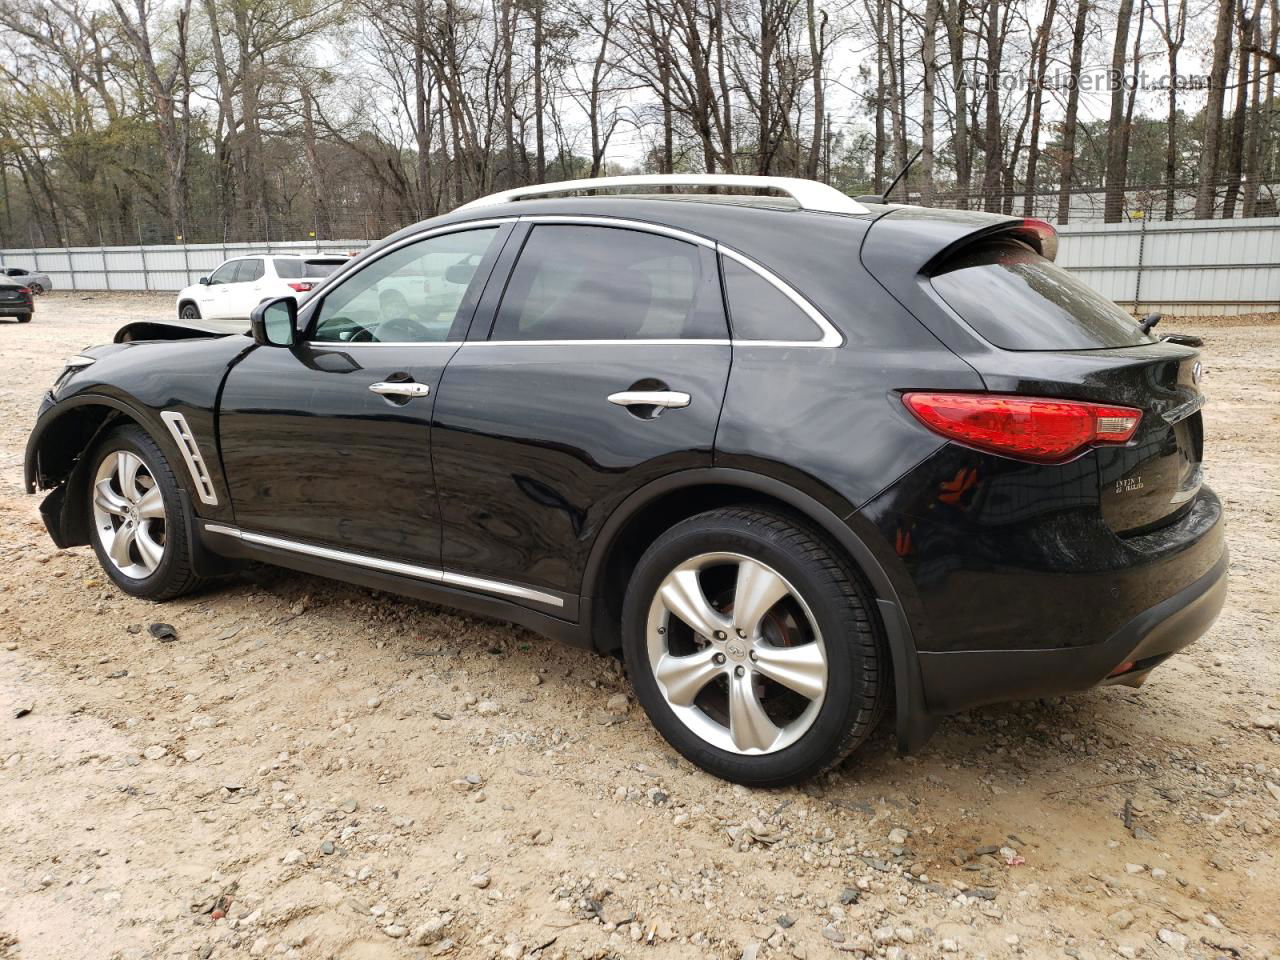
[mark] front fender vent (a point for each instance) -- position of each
(186, 442)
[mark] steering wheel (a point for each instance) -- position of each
(401, 330)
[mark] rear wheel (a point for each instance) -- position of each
(139, 527)
(24, 318)
(36, 288)
(750, 645)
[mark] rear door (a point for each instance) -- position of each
(249, 288)
(604, 368)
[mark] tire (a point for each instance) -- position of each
(24, 319)
(36, 288)
(128, 521)
(189, 311)
(822, 614)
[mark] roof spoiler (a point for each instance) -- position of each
(1040, 235)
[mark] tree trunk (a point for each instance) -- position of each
(538, 41)
(992, 146)
(956, 11)
(816, 51)
(877, 175)
(929, 54)
(422, 110)
(1073, 106)
(1113, 204)
(1211, 144)
(1239, 118)
(1037, 104)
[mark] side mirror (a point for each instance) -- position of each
(459, 274)
(273, 322)
(203, 281)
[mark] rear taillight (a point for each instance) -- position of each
(26, 290)
(1026, 428)
(301, 287)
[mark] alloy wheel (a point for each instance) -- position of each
(736, 653)
(128, 514)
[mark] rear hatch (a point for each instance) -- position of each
(1029, 327)
(12, 293)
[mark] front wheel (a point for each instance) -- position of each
(139, 526)
(750, 645)
(36, 288)
(189, 311)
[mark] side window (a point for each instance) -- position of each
(225, 273)
(760, 311)
(288, 269)
(606, 283)
(249, 270)
(417, 294)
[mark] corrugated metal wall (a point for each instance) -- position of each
(1189, 267)
(1182, 267)
(167, 267)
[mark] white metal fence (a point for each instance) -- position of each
(1189, 267)
(1181, 267)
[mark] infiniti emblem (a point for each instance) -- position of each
(1195, 372)
(735, 650)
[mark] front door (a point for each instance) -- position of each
(329, 441)
(215, 297)
(605, 368)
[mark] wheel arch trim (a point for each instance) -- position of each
(914, 724)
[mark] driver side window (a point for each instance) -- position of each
(225, 273)
(411, 295)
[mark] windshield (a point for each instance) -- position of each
(1018, 300)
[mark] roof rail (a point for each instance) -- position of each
(809, 194)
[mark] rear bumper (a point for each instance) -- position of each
(957, 680)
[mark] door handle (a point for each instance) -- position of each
(403, 389)
(665, 399)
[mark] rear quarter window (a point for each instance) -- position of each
(1017, 300)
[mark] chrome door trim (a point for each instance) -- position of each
(666, 399)
(831, 337)
(190, 450)
(622, 223)
(409, 388)
(417, 572)
(598, 343)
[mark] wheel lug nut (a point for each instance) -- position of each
(720, 634)
(742, 633)
(738, 671)
(754, 656)
(719, 658)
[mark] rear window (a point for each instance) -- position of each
(1018, 300)
(297, 269)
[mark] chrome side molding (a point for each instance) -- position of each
(417, 572)
(190, 451)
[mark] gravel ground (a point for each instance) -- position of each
(314, 770)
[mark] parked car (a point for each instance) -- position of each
(792, 458)
(241, 283)
(37, 283)
(16, 301)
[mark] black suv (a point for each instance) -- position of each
(791, 457)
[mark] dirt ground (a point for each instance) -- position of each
(315, 770)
